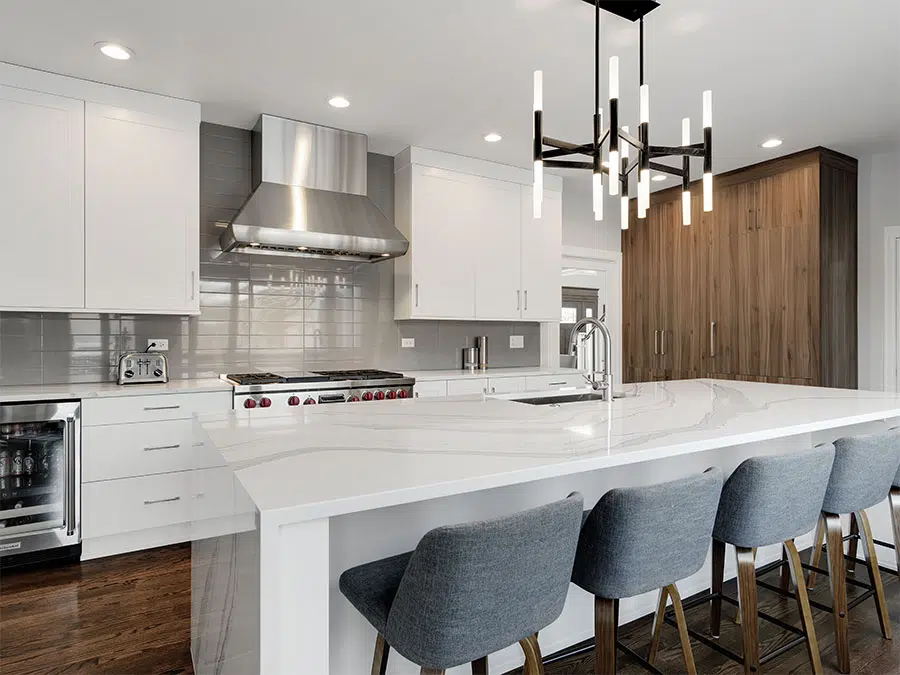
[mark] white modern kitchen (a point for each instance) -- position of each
(515, 337)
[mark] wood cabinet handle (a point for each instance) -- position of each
(712, 339)
(148, 502)
(656, 342)
(163, 447)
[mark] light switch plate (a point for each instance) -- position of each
(517, 342)
(162, 344)
(407, 343)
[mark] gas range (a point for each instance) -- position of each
(280, 392)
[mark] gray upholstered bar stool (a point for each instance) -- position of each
(470, 590)
(767, 501)
(864, 468)
(642, 539)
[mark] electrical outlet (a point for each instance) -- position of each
(407, 343)
(517, 342)
(160, 344)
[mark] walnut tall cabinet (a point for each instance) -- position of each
(763, 288)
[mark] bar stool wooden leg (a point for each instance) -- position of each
(737, 612)
(382, 649)
(681, 622)
(606, 629)
(853, 544)
(796, 569)
(785, 571)
(718, 580)
(534, 663)
(431, 671)
(658, 620)
(894, 501)
(875, 574)
(815, 556)
(480, 667)
(837, 577)
(746, 564)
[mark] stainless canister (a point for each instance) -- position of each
(481, 344)
(470, 358)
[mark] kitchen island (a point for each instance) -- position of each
(326, 488)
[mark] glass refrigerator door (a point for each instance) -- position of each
(33, 468)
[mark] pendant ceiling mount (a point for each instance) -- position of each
(627, 9)
(551, 152)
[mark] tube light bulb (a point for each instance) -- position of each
(645, 103)
(624, 208)
(707, 192)
(614, 77)
(538, 187)
(686, 131)
(613, 173)
(644, 189)
(598, 196)
(539, 90)
(686, 207)
(625, 144)
(707, 109)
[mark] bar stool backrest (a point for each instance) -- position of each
(864, 469)
(640, 539)
(473, 589)
(771, 499)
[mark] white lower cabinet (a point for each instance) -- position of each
(507, 385)
(147, 478)
(478, 385)
(542, 382)
(430, 389)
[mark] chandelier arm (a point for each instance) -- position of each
(677, 151)
(665, 168)
(562, 152)
(632, 165)
(568, 164)
(631, 140)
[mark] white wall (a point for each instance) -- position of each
(879, 207)
(578, 225)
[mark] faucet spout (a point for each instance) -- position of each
(600, 380)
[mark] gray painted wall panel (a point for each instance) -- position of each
(256, 313)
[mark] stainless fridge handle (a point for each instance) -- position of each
(712, 339)
(663, 332)
(71, 506)
(656, 342)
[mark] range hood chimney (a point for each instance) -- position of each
(309, 197)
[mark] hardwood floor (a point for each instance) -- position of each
(130, 615)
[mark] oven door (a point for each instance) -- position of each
(40, 476)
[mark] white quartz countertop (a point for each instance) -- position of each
(47, 392)
(330, 460)
(461, 374)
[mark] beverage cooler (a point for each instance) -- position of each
(40, 482)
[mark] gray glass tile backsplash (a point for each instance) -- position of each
(297, 314)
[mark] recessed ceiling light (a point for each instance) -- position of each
(772, 143)
(338, 102)
(660, 177)
(115, 51)
(493, 137)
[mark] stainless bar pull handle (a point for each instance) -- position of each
(162, 407)
(663, 342)
(518, 300)
(526, 300)
(163, 447)
(712, 339)
(193, 285)
(556, 384)
(148, 502)
(656, 342)
(417, 295)
(71, 506)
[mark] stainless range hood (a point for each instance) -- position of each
(309, 197)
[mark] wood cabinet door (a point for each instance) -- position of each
(789, 199)
(142, 209)
(638, 323)
(42, 192)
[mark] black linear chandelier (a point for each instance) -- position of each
(618, 167)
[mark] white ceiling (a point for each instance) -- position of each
(442, 74)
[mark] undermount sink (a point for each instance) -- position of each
(562, 398)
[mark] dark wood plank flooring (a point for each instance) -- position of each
(131, 615)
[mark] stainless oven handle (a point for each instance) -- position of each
(70, 476)
(161, 407)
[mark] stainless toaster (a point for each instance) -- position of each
(143, 367)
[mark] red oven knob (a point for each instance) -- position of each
(379, 395)
(353, 399)
(367, 396)
(249, 403)
(392, 394)
(294, 400)
(265, 402)
(402, 393)
(309, 401)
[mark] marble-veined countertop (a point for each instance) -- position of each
(330, 460)
(75, 391)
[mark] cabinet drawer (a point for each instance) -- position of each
(507, 385)
(433, 389)
(542, 382)
(128, 450)
(126, 409)
(131, 504)
(468, 386)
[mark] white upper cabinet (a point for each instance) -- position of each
(100, 189)
(141, 212)
(475, 251)
(42, 196)
(541, 257)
